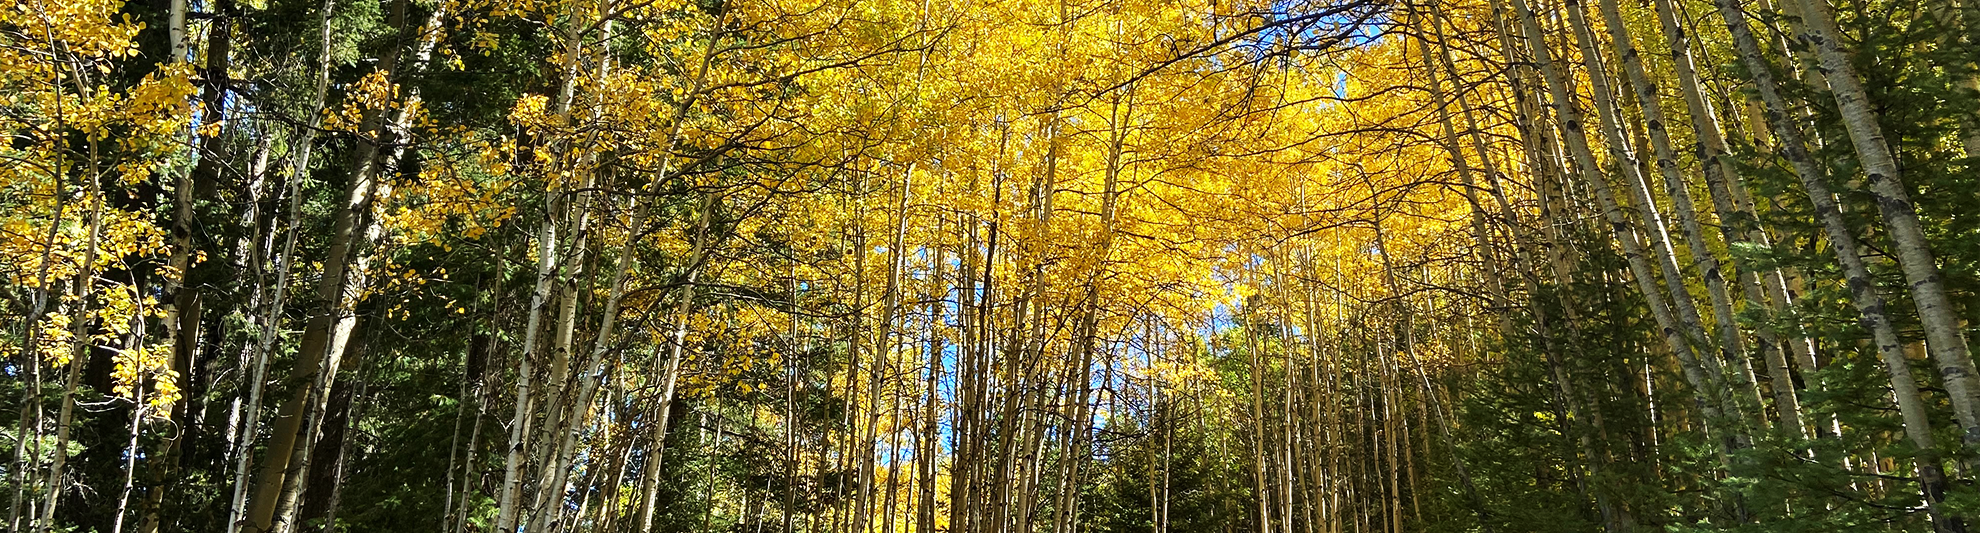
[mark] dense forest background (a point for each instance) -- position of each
(879, 266)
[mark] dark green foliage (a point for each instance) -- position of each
(1204, 492)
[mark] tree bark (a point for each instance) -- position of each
(1943, 332)
(1738, 221)
(1732, 347)
(1711, 390)
(1869, 302)
(318, 358)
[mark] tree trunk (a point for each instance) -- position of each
(238, 515)
(1479, 233)
(1862, 286)
(675, 352)
(1711, 391)
(78, 345)
(1738, 221)
(1743, 399)
(321, 482)
(318, 358)
(929, 435)
(1732, 347)
(1943, 332)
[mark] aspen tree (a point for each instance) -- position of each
(1944, 335)
(560, 438)
(559, 201)
(1695, 369)
(1480, 233)
(78, 346)
(265, 339)
(322, 346)
(1703, 257)
(1864, 294)
(1731, 360)
(1737, 217)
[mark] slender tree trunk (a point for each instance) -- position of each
(675, 351)
(78, 345)
(1257, 370)
(480, 350)
(1730, 360)
(1710, 390)
(929, 436)
(30, 423)
(182, 290)
(691, 270)
(1479, 233)
(882, 350)
(1738, 221)
(519, 424)
(558, 199)
(319, 355)
(1944, 334)
(131, 452)
(561, 429)
(1732, 347)
(264, 343)
(1862, 286)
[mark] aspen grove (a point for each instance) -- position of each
(987, 266)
